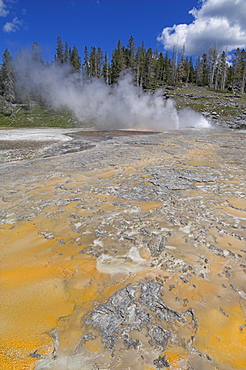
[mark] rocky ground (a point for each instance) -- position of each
(223, 109)
(126, 251)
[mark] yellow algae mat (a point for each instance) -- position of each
(130, 255)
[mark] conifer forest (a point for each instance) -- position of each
(151, 69)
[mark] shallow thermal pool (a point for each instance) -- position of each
(130, 255)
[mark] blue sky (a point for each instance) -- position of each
(160, 23)
(90, 22)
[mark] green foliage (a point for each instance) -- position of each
(59, 56)
(75, 59)
(118, 63)
(151, 69)
(66, 55)
(33, 115)
(7, 77)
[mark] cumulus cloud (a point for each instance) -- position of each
(13, 26)
(220, 23)
(3, 9)
(6, 9)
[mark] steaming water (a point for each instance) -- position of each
(122, 105)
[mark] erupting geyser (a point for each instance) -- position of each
(122, 105)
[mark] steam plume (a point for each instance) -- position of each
(122, 105)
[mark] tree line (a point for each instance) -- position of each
(150, 68)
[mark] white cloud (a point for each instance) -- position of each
(6, 9)
(3, 9)
(220, 23)
(13, 26)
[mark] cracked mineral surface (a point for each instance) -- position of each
(122, 251)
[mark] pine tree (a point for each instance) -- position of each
(75, 59)
(37, 53)
(67, 53)
(8, 77)
(149, 69)
(174, 63)
(93, 62)
(167, 68)
(59, 56)
(99, 57)
(181, 68)
(130, 55)
(1, 81)
(212, 63)
(106, 70)
(237, 63)
(239, 73)
(224, 67)
(229, 77)
(202, 74)
(86, 61)
(159, 70)
(243, 71)
(118, 62)
(221, 72)
(140, 64)
(199, 71)
(243, 80)
(191, 71)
